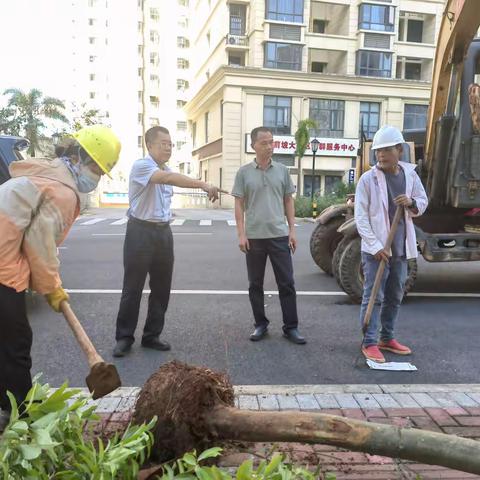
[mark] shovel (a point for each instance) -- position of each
(103, 377)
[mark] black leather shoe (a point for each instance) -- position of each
(258, 334)
(156, 344)
(294, 336)
(122, 347)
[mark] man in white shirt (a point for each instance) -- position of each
(390, 183)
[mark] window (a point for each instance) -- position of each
(183, 22)
(139, 141)
(369, 118)
(329, 116)
(181, 125)
(91, 22)
(206, 127)
(140, 72)
(182, 85)
(319, 67)
(287, 160)
(285, 10)
(180, 144)
(307, 184)
(409, 29)
(236, 59)
(92, 95)
(319, 26)
(154, 121)
(413, 70)
(194, 134)
(91, 3)
(154, 79)
(154, 37)
(92, 77)
(154, 15)
(182, 63)
(140, 49)
(181, 103)
(374, 64)
(283, 56)
(415, 116)
(91, 40)
(92, 58)
(139, 27)
(182, 42)
(154, 59)
(154, 102)
(237, 19)
(140, 96)
(376, 17)
(277, 112)
(140, 118)
(183, 3)
(331, 183)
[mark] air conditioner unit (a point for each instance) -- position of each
(232, 40)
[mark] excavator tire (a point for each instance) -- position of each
(324, 241)
(337, 254)
(349, 270)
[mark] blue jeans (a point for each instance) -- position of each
(389, 297)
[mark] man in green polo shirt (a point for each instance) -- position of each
(263, 198)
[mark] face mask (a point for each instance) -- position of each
(86, 180)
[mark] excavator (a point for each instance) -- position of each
(447, 154)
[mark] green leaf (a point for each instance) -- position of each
(30, 452)
(273, 465)
(210, 453)
(203, 473)
(244, 471)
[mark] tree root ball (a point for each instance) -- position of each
(181, 396)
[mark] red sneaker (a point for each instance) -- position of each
(373, 353)
(395, 347)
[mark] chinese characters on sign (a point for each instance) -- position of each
(334, 147)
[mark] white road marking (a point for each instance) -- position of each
(178, 222)
(274, 292)
(232, 223)
(123, 234)
(121, 221)
(205, 223)
(92, 221)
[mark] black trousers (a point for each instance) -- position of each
(148, 248)
(278, 251)
(15, 347)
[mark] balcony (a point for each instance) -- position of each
(236, 42)
(414, 69)
(329, 18)
(327, 61)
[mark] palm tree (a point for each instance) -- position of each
(30, 109)
(302, 139)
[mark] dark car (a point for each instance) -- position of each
(11, 149)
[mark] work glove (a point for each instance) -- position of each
(55, 298)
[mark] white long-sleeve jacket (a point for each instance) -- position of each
(371, 209)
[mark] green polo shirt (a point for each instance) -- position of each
(263, 192)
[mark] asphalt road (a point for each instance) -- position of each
(212, 328)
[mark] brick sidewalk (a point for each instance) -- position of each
(452, 409)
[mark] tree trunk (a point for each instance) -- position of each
(300, 178)
(407, 443)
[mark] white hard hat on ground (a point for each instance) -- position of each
(387, 136)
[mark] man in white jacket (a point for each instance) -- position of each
(379, 191)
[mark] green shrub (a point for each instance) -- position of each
(190, 467)
(303, 205)
(48, 441)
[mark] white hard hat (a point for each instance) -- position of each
(387, 136)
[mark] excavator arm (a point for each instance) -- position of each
(460, 22)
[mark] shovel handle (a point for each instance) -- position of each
(85, 343)
(381, 268)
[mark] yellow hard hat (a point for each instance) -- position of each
(101, 144)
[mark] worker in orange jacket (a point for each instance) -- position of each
(38, 205)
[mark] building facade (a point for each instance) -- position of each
(131, 62)
(349, 65)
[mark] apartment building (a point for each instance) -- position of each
(131, 62)
(350, 65)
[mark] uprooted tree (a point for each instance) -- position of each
(195, 408)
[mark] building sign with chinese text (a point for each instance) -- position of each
(331, 147)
